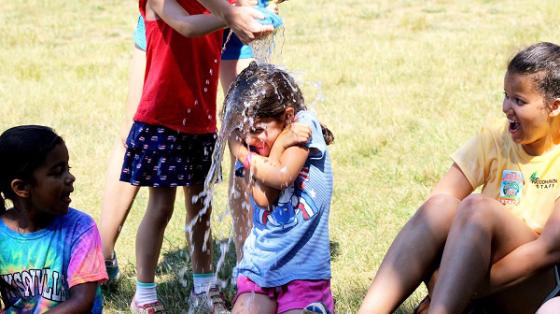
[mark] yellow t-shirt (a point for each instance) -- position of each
(527, 185)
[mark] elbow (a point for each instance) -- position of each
(188, 32)
(189, 29)
(550, 252)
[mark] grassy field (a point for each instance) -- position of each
(400, 83)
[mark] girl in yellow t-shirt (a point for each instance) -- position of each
(495, 250)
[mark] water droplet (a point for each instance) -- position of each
(189, 110)
(196, 102)
(207, 82)
(205, 89)
(215, 60)
(209, 117)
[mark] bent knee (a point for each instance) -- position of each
(552, 306)
(476, 208)
(439, 204)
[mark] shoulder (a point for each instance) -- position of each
(78, 221)
(496, 130)
(317, 144)
(308, 118)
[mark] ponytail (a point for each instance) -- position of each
(327, 134)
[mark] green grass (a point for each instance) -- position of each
(400, 83)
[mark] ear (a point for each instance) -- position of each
(20, 188)
(554, 107)
(290, 114)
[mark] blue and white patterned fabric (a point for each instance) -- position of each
(291, 241)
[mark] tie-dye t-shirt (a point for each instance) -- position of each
(40, 267)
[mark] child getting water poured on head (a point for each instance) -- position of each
(50, 254)
(492, 252)
(286, 257)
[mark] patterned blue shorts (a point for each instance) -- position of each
(160, 157)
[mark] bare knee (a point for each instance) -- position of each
(160, 213)
(475, 210)
(438, 209)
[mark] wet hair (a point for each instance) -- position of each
(264, 91)
(542, 58)
(23, 149)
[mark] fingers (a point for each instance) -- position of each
(301, 132)
(244, 21)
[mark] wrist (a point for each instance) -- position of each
(248, 160)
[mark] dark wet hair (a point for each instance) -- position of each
(541, 57)
(23, 149)
(265, 91)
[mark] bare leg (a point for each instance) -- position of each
(237, 187)
(253, 303)
(482, 233)
(229, 69)
(238, 202)
(118, 196)
(413, 255)
(150, 232)
(200, 236)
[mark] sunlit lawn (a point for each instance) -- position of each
(400, 83)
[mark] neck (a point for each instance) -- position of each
(550, 141)
(25, 220)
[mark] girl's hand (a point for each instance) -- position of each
(244, 21)
(295, 134)
(236, 146)
(249, 3)
(273, 6)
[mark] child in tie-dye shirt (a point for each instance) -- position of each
(50, 254)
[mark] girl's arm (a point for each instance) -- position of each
(286, 158)
(242, 20)
(81, 299)
(280, 168)
(180, 20)
(273, 174)
(530, 257)
(454, 183)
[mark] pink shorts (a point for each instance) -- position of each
(294, 295)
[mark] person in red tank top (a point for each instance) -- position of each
(171, 140)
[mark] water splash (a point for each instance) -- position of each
(232, 119)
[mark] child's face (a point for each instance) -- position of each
(262, 135)
(53, 184)
(526, 109)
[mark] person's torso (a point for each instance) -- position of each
(34, 265)
(181, 76)
(291, 241)
(527, 185)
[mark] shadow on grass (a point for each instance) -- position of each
(174, 278)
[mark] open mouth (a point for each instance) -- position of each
(66, 197)
(514, 125)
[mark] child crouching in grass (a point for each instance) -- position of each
(286, 257)
(495, 250)
(50, 254)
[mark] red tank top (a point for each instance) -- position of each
(181, 79)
